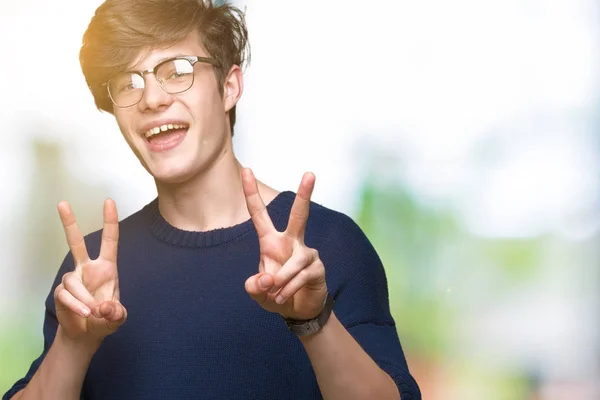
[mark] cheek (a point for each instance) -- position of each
(203, 112)
(124, 124)
(205, 103)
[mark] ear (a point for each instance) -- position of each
(233, 87)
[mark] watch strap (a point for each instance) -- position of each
(314, 325)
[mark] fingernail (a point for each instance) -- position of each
(263, 281)
(85, 312)
(279, 299)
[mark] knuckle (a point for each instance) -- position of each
(304, 274)
(111, 238)
(62, 297)
(314, 253)
(318, 265)
(312, 274)
(305, 257)
(259, 211)
(319, 271)
(69, 280)
(315, 270)
(65, 277)
(297, 214)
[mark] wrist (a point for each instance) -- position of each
(329, 330)
(85, 345)
(62, 372)
(314, 325)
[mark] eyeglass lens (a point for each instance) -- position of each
(174, 76)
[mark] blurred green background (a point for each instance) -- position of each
(466, 146)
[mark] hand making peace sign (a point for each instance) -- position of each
(291, 277)
(87, 300)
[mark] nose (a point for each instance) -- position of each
(154, 98)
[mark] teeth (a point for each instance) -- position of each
(163, 128)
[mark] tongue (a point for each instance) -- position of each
(167, 136)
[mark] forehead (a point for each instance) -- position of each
(149, 57)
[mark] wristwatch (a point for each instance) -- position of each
(310, 326)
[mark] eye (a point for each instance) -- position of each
(176, 75)
(175, 70)
(125, 83)
(126, 88)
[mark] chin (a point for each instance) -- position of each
(174, 177)
(173, 173)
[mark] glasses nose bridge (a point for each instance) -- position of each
(152, 93)
(150, 72)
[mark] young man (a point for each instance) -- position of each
(225, 288)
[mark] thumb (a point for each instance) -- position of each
(113, 312)
(258, 286)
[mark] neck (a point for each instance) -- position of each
(212, 199)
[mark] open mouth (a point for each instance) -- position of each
(165, 133)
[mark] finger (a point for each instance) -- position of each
(114, 313)
(311, 275)
(74, 237)
(300, 208)
(299, 260)
(73, 284)
(68, 301)
(258, 287)
(110, 232)
(256, 206)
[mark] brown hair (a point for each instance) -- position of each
(120, 29)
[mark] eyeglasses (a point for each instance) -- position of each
(174, 75)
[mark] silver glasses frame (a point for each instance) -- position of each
(191, 59)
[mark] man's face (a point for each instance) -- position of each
(196, 120)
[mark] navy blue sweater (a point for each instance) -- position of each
(194, 333)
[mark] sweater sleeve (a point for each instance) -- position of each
(49, 330)
(357, 281)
